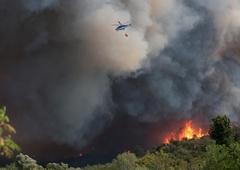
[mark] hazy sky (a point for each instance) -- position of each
(70, 80)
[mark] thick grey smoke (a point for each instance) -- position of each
(62, 61)
(191, 74)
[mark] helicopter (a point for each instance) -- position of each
(121, 26)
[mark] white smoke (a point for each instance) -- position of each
(63, 56)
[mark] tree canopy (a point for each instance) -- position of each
(7, 145)
(206, 153)
(220, 130)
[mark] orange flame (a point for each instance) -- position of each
(186, 132)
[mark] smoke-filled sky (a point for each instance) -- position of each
(68, 78)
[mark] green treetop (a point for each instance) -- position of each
(7, 145)
(220, 130)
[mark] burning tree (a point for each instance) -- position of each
(7, 145)
(187, 131)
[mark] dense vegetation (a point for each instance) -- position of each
(218, 151)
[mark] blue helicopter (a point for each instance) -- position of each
(121, 26)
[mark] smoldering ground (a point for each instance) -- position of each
(66, 74)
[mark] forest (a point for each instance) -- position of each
(219, 150)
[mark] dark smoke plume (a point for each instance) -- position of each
(66, 73)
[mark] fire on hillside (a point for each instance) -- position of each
(186, 131)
